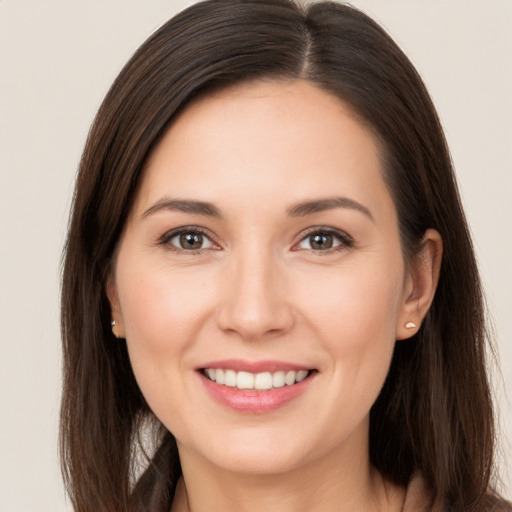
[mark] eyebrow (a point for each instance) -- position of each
(298, 210)
(330, 203)
(184, 205)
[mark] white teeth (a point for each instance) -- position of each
(245, 380)
(301, 375)
(290, 378)
(278, 380)
(263, 381)
(219, 376)
(260, 381)
(230, 378)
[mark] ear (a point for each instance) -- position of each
(420, 285)
(115, 308)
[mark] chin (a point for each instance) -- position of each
(259, 461)
(260, 451)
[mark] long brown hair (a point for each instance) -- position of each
(434, 413)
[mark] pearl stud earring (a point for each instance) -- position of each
(410, 325)
(113, 323)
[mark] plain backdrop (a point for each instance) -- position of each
(57, 60)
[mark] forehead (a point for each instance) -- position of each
(263, 139)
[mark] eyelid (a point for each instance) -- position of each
(345, 239)
(169, 235)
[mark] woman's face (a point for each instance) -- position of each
(259, 281)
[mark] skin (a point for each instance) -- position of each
(258, 290)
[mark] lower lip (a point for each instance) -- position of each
(255, 401)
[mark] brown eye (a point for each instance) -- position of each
(189, 241)
(321, 240)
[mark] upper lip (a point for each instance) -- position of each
(241, 365)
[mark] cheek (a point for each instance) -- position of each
(359, 303)
(162, 312)
(153, 301)
(355, 317)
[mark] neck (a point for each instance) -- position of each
(347, 484)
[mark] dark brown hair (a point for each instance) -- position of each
(434, 413)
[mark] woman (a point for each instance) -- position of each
(270, 298)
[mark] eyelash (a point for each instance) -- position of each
(343, 239)
(186, 230)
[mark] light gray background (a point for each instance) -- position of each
(57, 60)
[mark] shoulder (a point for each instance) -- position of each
(419, 497)
(493, 503)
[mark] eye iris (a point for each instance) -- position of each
(191, 240)
(321, 241)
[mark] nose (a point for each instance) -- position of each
(255, 304)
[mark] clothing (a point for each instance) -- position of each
(419, 497)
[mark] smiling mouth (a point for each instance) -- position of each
(264, 381)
